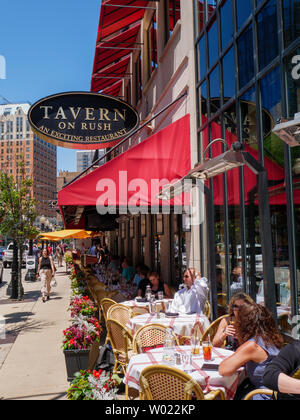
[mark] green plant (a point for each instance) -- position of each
(17, 216)
(96, 385)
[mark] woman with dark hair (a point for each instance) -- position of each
(159, 286)
(46, 270)
(260, 342)
(227, 331)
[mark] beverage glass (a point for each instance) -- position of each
(207, 351)
(195, 341)
(160, 295)
(152, 308)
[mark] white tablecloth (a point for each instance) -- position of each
(208, 380)
(182, 325)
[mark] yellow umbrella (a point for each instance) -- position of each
(65, 234)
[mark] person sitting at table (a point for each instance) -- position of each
(192, 298)
(144, 271)
(283, 374)
(260, 342)
(137, 277)
(227, 332)
(159, 286)
(128, 271)
(114, 264)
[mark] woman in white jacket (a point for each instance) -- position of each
(192, 298)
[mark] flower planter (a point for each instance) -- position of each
(76, 360)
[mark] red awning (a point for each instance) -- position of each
(105, 78)
(277, 194)
(108, 53)
(274, 170)
(133, 178)
(113, 90)
(119, 14)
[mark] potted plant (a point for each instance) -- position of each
(96, 385)
(82, 305)
(78, 340)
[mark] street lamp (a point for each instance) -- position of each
(289, 131)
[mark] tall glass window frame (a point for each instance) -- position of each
(259, 73)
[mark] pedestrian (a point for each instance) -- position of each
(50, 250)
(59, 255)
(46, 270)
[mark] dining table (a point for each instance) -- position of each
(182, 325)
(208, 379)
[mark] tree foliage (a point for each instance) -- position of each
(17, 209)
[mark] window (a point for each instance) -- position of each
(172, 15)
(243, 11)
(138, 78)
(226, 23)
(152, 46)
(291, 21)
(268, 47)
(19, 124)
(246, 57)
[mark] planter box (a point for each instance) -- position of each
(76, 360)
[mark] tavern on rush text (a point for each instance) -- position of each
(82, 120)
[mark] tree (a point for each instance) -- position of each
(17, 215)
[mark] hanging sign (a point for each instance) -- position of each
(82, 120)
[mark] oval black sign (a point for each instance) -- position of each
(82, 120)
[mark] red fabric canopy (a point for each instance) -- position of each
(275, 171)
(113, 50)
(114, 89)
(109, 75)
(133, 177)
(277, 194)
(113, 18)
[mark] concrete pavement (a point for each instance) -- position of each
(32, 364)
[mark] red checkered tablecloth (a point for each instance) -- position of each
(208, 380)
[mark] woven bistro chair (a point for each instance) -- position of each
(253, 394)
(121, 341)
(207, 310)
(120, 313)
(150, 337)
(161, 382)
(105, 304)
(213, 328)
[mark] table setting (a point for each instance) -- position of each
(205, 372)
(182, 324)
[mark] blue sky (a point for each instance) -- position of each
(49, 47)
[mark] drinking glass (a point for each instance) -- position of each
(195, 341)
(207, 351)
(152, 307)
(160, 295)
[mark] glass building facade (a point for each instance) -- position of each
(248, 77)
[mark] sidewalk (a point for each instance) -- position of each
(32, 365)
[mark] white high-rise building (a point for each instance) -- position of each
(85, 159)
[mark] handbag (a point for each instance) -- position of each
(53, 283)
(106, 359)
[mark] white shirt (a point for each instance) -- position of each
(191, 300)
